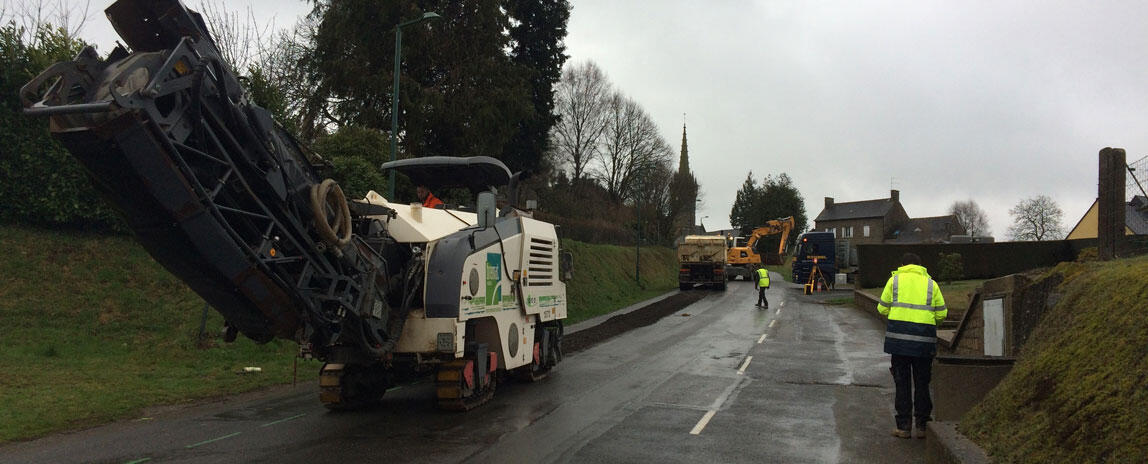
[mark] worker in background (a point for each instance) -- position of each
(914, 305)
(425, 196)
(761, 283)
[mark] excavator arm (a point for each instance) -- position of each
(781, 226)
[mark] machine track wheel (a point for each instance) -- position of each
(534, 371)
(457, 386)
(345, 387)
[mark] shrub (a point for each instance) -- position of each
(950, 267)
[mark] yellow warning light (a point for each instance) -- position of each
(181, 67)
(272, 252)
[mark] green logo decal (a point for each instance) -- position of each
(493, 278)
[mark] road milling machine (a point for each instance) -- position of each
(226, 200)
(743, 259)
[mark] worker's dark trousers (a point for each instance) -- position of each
(911, 376)
(761, 301)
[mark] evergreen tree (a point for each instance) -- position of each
(471, 83)
(742, 215)
(775, 198)
(539, 27)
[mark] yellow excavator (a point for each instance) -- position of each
(741, 260)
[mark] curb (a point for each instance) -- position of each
(593, 321)
(867, 303)
(945, 445)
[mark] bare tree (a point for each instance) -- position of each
(241, 41)
(631, 145)
(32, 15)
(971, 217)
(1036, 218)
(580, 100)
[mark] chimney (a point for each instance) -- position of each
(828, 202)
(894, 195)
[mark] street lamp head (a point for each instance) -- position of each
(424, 17)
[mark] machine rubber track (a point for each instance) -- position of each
(453, 391)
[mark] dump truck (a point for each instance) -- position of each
(743, 259)
(229, 202)
(702, 260)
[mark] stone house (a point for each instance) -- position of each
(861, 222)
(883, 220)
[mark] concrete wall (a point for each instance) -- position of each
(959, 383)
(969, 339)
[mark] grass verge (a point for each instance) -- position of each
(96, 330)
(957, 294)
(604, 277)
(1078, 391)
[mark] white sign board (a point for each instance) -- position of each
(994, 327)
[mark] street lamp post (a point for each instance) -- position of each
(395, 97)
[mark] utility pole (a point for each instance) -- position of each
(1110, 203)
(638, 243)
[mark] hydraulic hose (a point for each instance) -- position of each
(329, 194)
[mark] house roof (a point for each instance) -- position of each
(928, 230)
(1136, 216)
(856, 210)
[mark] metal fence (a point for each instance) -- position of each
(1138, 179)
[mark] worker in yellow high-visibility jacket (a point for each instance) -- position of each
(761, 283)
(914, 305)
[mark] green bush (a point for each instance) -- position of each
(42, 184)
(950, 267)
(355, 154)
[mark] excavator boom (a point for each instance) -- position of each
(741, 259)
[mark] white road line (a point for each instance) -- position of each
(778, 312)
(762, 339)
(773, 323)
(744, 365)
(782, 304)
(702, 423)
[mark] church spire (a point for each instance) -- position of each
(684, 164)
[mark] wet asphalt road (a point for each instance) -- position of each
(719, 381)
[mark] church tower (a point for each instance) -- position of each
(684, 173)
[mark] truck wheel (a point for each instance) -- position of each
(684, 287)
(721, 287)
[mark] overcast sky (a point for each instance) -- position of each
(944, 101)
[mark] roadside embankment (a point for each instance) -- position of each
(96, 331)
(1079, 390)
(604, 277)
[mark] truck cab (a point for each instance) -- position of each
(814, 249)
